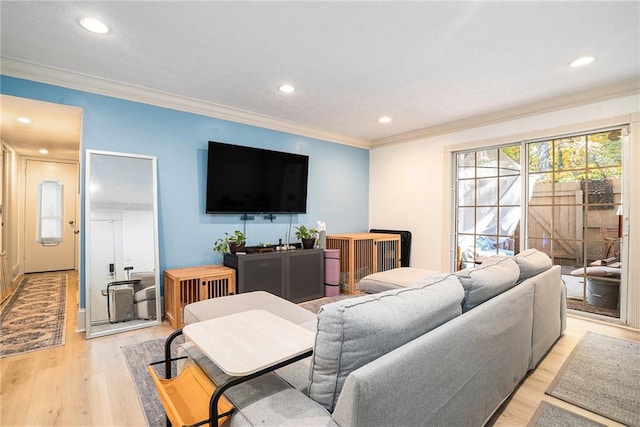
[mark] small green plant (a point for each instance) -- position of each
(307, 236)
(303, 232)
(223, 245)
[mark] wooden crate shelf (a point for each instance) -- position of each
(183, 286)
(364, 253)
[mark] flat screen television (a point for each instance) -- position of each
(254, 180)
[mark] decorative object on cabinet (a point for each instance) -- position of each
(307, 236)
(230, 243)
(363, 254)
(183, 286)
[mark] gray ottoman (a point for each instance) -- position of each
(223, 306)
(393, 279)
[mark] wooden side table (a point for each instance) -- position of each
(244, 343)
(183, 286)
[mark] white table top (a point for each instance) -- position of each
(246, 342)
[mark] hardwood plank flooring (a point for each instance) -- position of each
(87, 382)
(83, 383)
(520, 407)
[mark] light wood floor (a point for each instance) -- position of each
(87, 382)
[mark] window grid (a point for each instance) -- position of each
(483, 179)
(49, 216)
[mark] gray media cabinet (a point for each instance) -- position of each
(296, 275)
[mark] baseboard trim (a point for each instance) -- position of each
(81, 317)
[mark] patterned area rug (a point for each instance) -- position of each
(602, 375)
(34, 318)
(138, 357)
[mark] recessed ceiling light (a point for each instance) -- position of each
(25, 120)
(43, 151)
(384, 119)
(581, 62)
(286, 88)
(94, 25)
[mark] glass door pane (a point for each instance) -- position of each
(487, 204)
(572, 215)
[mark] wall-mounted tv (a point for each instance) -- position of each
(254, 180)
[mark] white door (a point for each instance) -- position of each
(106, 238)
(46, 255)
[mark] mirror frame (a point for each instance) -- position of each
(122, 326)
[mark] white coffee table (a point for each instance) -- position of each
(248, 342)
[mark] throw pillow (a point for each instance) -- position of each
(356, 331)
(531, 262)
(495, 275)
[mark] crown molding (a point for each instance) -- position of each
(72, 80)
(603, 93)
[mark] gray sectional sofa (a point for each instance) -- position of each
(446, 350)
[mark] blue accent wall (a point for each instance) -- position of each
(338, 190)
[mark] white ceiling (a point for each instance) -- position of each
(424, 64)
(53, 127)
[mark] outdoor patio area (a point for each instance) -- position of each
(578, 296)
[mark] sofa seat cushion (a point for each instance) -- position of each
(531, 262)
(392, 279)
(495, 275)
(353, 332)
(245, 394)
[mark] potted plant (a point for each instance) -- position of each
(307, 236)
(230, 243)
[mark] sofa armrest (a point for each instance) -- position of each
(549, 312)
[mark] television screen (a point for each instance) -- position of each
(253, 180)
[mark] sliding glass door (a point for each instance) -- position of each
(569, 207)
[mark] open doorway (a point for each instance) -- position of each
(36, 133)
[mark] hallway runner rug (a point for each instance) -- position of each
(602, 375)
(34, 318)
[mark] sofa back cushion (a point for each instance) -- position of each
(495, 275)
(356, 331)
(531, 262)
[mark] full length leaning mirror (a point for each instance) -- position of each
(121, 247)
